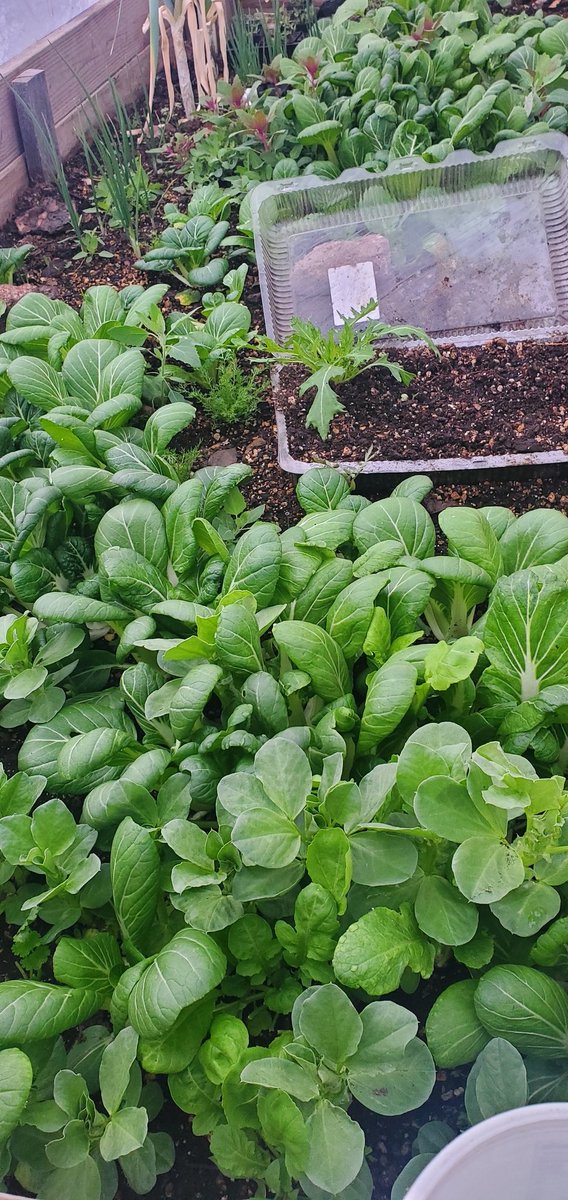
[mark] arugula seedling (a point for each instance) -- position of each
(337, 358)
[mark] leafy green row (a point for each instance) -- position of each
(375, 84)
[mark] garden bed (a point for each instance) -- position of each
(253, 442)
(275, 713)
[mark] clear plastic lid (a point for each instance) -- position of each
(473, 246)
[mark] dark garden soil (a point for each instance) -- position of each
(497, 398)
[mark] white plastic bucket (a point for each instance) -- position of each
(518, 1155)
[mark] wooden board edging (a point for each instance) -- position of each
(78, 57)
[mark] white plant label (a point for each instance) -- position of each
(351, 288)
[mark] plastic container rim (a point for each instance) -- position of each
(453, 1156)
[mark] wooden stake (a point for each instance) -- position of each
(34, 117)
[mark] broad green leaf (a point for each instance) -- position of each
(115, 1067)
(470, 536)
(79, 610)
(410, 1174)
(125, 1132)
(446, 664)
(40, 751)
(53, 827)
(38, 382)
(525, 910)
(443, 914)
(165, 423)
(66, 1183)
(399, 1085)
(208, 539)
(210, 910)
(378, 558)
(266, 838)
(547, 1080)
(399, 518)
(311, 649)
(321, 488)
(285, 774)
(486, 869)
(438, 749)
(389, 696)
(525, 1007)
(376, 950)
(237, 640)
(526, 634)
(31, 1011)
(454, 1031)
(108, 804)
(227, 1042)
(173, 1051)
(71, 1149)
(550, 948)
(387, 1031)
(410, 138)
(254, 565)
(100, 304)
(262, 691)
(89, 962)
(328, 530)
(81, 757)
(350, 615)
(405, 599)
(499, 1079)
(330, 1024)
(16, 1077)
(135, 879)
(284, 1129)
(81, 483)
(260, 883)
(537, 537)
(314, 600)
(380, 859)
(134, 525)
(328, 863)
(84, 370)
(191, 697)
(447, 809)
(336, 1148)
(285, 1075)
(237, 1154)
(187, 968)
(178, 513)
(133, 578)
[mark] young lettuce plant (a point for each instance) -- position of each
(332, 359)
